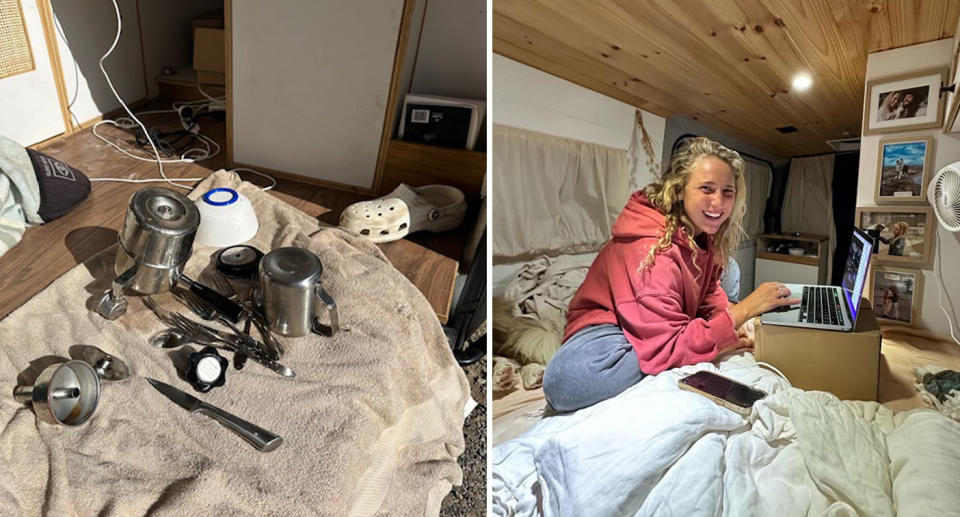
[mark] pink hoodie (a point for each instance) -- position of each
(672, 315)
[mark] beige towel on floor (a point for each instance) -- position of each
(372, 423)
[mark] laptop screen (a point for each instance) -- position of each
(855, 272)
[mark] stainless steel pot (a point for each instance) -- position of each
(290, 287)
(156, 239)
(155, 242)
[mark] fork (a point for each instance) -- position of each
(196, 305)
(238, 343)
(223, 285)
(271, 347)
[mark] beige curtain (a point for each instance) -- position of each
(808, 203)
(553, 195)
(758, 178)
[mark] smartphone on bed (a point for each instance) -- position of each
(725, 391)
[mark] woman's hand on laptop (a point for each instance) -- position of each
(766, 297)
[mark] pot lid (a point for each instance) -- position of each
(291, 266)
(163, 210)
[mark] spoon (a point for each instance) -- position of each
(172, 338)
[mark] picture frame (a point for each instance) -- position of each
(895, 294)
(905, 102)
(904, 167)
(902, 235)
(951, 99)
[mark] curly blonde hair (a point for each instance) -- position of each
(666, 195)
(903, 227)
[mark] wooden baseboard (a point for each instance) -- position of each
(119, 112)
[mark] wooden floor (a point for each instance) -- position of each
(48, 251)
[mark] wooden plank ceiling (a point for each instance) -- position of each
(727, 63)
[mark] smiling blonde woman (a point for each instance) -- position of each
(651, 299)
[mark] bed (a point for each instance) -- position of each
(658, 450)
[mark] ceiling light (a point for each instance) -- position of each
(802, 82)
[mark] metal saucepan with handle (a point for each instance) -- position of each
(154, 245)
(290, 287)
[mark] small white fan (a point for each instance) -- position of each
(943, 193)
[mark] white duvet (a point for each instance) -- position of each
(656, 450)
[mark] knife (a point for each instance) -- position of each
(261, 439)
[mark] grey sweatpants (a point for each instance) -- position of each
(593, 365)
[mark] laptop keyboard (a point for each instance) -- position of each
(821, 305)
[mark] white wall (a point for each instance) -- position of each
(409, 59)
(446, 51)
(946, 151)
(29, 109)
(452, 56)
(527, 98)
(311, 82)
(88, 30)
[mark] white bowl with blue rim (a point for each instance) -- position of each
(226, 218)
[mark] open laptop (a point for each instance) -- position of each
(829, 307)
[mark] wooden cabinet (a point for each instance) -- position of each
(418, 164)
(797, 258)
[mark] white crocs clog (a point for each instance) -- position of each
(406, 210)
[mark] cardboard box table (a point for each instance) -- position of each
(846, 364)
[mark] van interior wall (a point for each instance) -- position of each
(946, 150)
(446, 51)
(87, 31)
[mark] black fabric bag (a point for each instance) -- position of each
(62, 187)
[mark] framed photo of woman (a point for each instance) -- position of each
(901, 235)
(895, 294)
(903, 170)
(905, 102)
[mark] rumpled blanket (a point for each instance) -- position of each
(372, 423)
(656, 450)
(543, 288)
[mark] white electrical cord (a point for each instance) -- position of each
(939, 291)
(212, 147)
(258, 173)
(213, 99)
(774, 368)
(146, 133)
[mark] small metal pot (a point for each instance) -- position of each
(289, 283)
(66, 393)
(156, 239)
(155, 242)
